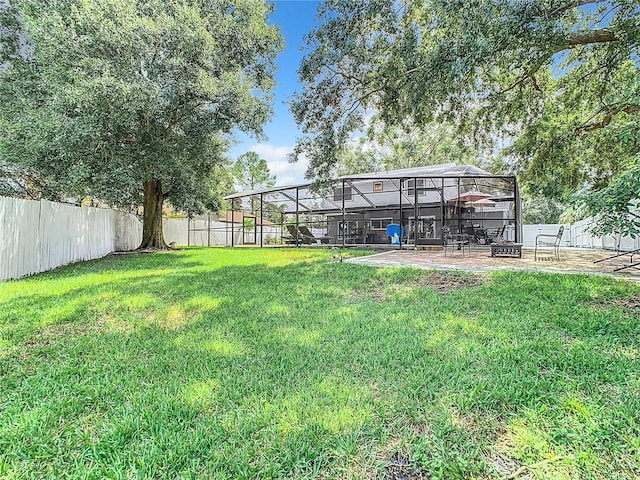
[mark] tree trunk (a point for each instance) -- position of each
(152, 222)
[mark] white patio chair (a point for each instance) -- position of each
(547, 240)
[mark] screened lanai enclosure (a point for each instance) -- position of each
(413, 207)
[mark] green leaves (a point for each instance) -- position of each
(118, 92)
(616, 207)
(547, 77)
(251, 172)
(388, 147)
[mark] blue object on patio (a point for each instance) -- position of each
(396, 232)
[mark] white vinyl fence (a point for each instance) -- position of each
(203, 232)
(36, 236)
(582, 238)
(577, 235)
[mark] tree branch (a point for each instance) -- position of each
(603, 35)
(530, 74)
(173, 121)
(345, 75)
(125, 139)
(587, 37)
(606, 120)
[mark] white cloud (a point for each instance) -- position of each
(270, 152)
(284, 181)
(276, 156)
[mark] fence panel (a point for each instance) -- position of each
(175, 230)
(578, 235)
(36, 236)
(128, 232)
(199, 233)
(582, 237)
(19, 237)
(195, 233)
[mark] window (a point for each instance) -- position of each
(337, 194)
(411, 186)
(377, 186)
(380, 223)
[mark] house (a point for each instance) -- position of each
(358, 209)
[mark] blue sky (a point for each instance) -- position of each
(295, 18)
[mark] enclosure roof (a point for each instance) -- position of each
(442, 170)
(258, 191)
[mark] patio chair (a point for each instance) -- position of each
(497, 235)
(296, 236)
(454, 240)
(308, 233)
(547, 240)
(472, 233)
(481, 236)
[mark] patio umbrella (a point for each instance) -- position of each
(481, 203)
(463, 198)
(470, 196)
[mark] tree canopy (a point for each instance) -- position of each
(390, 147)
(133, 100)
(252, 172)
(557, 79)
(616, 207)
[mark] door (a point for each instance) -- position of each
(424, 231)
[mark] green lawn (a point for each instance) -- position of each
(220, 363)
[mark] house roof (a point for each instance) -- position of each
(258, 191)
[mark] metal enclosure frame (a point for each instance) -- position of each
(354, 212)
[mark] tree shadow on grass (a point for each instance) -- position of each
(274, 371)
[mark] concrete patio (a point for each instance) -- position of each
(572, 260)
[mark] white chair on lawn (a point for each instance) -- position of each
(547, 240)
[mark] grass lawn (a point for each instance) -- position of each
(231, 364)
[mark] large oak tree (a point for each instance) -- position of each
(558, 79)
(132, 101)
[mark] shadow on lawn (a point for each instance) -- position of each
(242, 308)
(276, 368)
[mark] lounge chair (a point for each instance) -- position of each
(620, 254)
(296, 236)
(308, 233)
(547, 240)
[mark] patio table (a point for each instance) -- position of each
(506, 250)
